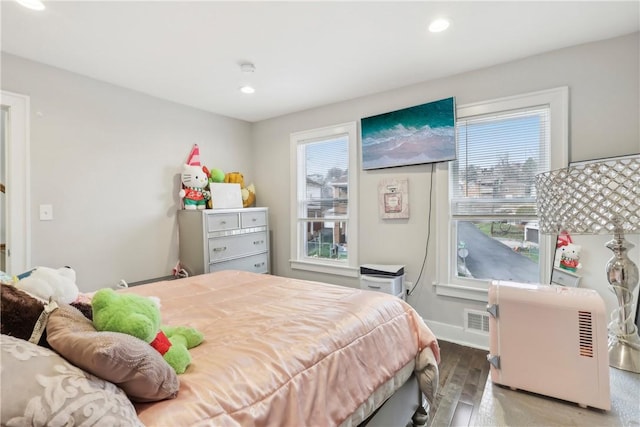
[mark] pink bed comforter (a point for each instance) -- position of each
(281, 352)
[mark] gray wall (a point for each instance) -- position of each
(603, 81)
(108, 159)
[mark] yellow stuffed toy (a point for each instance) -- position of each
(248, 193)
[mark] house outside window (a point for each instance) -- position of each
(489, 192)
(324, 200)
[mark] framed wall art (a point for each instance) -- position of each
(393, 198)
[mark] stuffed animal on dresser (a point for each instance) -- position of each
(569, 256)
(195, 180)
(194, 193)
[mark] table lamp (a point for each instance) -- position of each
(601, 197)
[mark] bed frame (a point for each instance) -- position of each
(406, 407)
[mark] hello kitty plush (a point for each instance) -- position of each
(194, 181)
(570, 257)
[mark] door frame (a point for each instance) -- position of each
(17, 212)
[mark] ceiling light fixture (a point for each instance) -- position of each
(439, 25)
(32, 4)
(247, 68)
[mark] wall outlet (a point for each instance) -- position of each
(408, 286)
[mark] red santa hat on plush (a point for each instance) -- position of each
(194, 156)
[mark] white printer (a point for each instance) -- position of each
(383, 278)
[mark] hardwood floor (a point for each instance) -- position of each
(463, 373)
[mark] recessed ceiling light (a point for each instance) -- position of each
(247, 89)
(438, 25)
(32, 4)
(247, 68)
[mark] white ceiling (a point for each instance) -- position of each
(306, 53)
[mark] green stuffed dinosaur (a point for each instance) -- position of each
(140, 316)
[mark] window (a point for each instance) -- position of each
(491, 206)
(324, 200)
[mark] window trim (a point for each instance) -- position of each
(445, 283)
(296, 261)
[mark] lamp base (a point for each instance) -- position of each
(622, 273)
(625, 355)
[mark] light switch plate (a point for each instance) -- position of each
(46, 212)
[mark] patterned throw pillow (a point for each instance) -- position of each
(40, 388)
(126, 361)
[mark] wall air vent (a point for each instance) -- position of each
(585, 325)
(476, 321)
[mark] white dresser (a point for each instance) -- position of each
(224, 239)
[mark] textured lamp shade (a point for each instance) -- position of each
(590, 199)
(601, 198)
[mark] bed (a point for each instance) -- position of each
(277, 352)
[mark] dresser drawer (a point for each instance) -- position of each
(237, 245)
(254, 263)
(221, 222)
(253, 219)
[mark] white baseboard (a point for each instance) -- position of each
(458, 335)
(157, 279)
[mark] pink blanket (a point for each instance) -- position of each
(281, 352)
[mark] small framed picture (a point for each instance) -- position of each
(392, 202)
(393, 198)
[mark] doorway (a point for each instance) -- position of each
(15, 229)
(3, 179)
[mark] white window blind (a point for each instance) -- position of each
(325, 188)
(499, 155)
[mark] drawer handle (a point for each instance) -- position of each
(223, 222)
(373, 286)
(258, 265)
(258, 242)
(224, 248)
(254, 219)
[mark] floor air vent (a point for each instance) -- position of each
(585, 326)
(477, 321)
